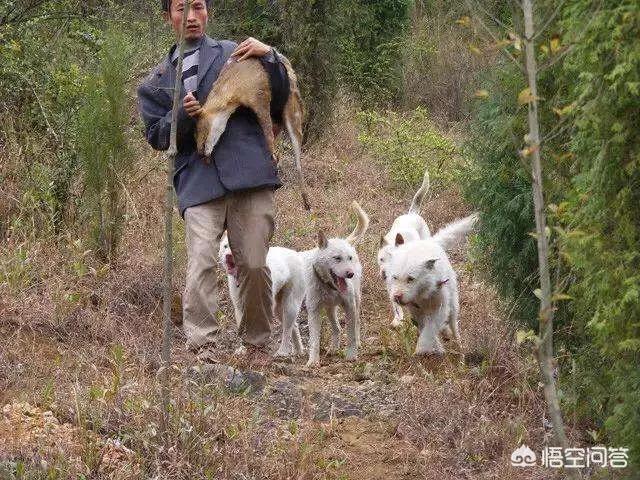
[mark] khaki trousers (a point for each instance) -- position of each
(249, 220)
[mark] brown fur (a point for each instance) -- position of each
(246, 83)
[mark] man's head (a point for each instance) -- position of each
(196, 21)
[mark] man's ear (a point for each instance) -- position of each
(399, 239)
(167, 16)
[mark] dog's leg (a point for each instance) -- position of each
(284, 313)
(234, 294)
(288, 313)
(351, 313)
(428, 341)
(314, 335)
(453, 320)
(297, 340)
(334, 346)
(398, 314)
(357, 315)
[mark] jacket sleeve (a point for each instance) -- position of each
(279, 80)
(156, 115)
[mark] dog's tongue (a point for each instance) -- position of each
(342, 285)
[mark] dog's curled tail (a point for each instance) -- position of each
(420, 194)
(362, 224)
(455, 232)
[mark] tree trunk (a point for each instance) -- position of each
(544, 348)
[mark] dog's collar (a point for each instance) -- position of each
(322, 280)
(442, 282)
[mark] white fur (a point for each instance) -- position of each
(421, 278)
(333, 275)
(288, 290)
(410, 227)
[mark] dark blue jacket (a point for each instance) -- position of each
(240, 160)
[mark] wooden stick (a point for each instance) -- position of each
(168, 239)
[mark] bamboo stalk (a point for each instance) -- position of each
(544, 346)
(168, 238)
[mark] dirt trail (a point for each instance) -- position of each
(387, 416)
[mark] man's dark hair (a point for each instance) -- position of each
(167, 3)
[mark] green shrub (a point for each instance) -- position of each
(370, 41)
(602, 218)
(407, 144)
(104, 155)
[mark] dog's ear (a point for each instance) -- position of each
(399, 239)
(430, 263)
(322, 240)
(383, 242)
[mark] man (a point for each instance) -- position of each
(234, 191)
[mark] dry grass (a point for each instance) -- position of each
(83, 342)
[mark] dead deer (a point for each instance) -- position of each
(246, 83)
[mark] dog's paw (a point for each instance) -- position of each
(420, 352)
(282, 353)
(334, 347)
(313, 363)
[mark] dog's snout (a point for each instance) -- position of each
(397, 297)
(349, 274)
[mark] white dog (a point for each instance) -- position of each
(422, 279)
(287, 286)
(333, 276)
(411, 227)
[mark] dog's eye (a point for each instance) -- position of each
(350, 258)
(410, 279)
(395, 277)
(337, 258)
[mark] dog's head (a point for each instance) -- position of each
(336, 262)
(387, 246)
(413, 274)
(225, 257)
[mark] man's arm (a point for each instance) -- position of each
(157, 119)
(280, 88)
(274, 67)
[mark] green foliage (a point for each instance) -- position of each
(102, 149)
(592, 188)
(370, 42)
(408, 144)
(500, 188)
(331, 43)
(602, 219)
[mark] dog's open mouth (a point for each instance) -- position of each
(339, 282)
(230, 265)
(406, 304)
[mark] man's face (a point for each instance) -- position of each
(196, 21)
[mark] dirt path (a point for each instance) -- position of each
(387, 416)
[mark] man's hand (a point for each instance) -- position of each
(250, 48)
(191, 105)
